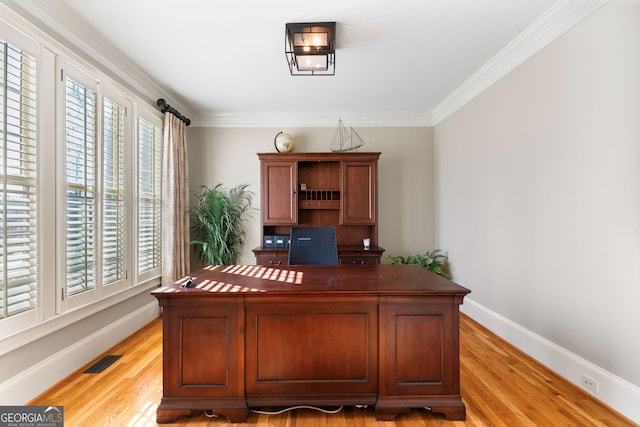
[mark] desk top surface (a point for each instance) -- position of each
(309, 279)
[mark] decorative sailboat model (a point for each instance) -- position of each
(346, 139)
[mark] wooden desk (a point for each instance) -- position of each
(256, 336)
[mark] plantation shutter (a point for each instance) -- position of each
(149, 194)
(80, 181)
(113, 210)
(18, 182)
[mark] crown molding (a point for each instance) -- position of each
(64, 27)
(562, 16)
(314, 119)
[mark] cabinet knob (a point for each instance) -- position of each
(276, 262)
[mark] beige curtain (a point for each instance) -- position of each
(175, 201)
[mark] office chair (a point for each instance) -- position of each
(313, 245)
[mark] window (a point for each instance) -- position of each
(18, 182)
(149, 193)
(97, 232)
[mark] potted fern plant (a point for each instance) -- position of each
(432, 261)
(220, 223)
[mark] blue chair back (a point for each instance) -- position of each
(313, 245)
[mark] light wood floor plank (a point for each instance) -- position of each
(501, 386)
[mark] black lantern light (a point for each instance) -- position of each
(310, 48)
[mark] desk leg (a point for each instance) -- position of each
(166, 416)
(387, 409)
(170, 409)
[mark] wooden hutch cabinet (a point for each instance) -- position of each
(318, 190)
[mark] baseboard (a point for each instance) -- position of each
(27, 385)
(613, 391)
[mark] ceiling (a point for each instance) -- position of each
(393, 56)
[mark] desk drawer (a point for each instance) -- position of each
(272, 258)
(359, 258)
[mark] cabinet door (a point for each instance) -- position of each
(421, 347)
(358, 203)
(279, 192)
(203, 348)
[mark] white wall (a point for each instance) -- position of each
(538, 201)
(405, 173)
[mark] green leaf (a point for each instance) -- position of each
(219, 222)
(432, 261)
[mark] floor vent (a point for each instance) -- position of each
(102, 364)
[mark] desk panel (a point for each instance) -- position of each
(324, 346)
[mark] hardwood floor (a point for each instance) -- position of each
(500, 385)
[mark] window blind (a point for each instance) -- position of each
(149, 193)
(113, 210)
(18, 182)
(80, 165)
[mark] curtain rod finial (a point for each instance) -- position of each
(164, 107)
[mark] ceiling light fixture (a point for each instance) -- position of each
(310, 48)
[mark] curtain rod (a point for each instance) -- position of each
(164, 107)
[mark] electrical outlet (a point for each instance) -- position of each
(589, 383)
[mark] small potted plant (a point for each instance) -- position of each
(432, 261)
(219, 223)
